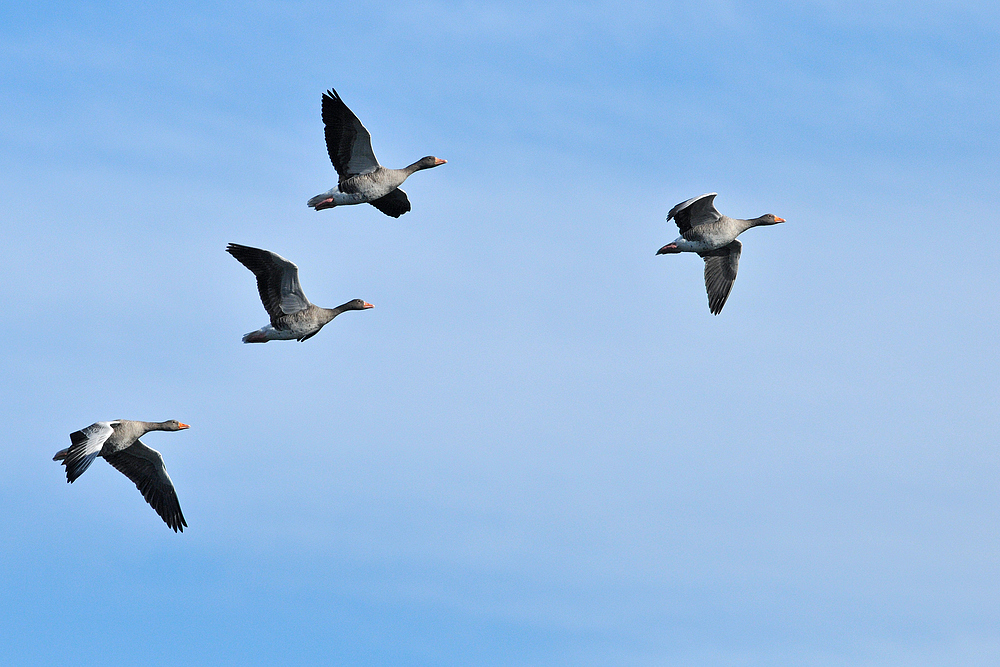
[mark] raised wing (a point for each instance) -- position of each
(720, 274)
(347, 141)
(277, 280)
(395, 203)
(696, 211)
(145, 467)
(86, 446)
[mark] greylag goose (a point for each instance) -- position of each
(292, 316)
(118, 442)
(713, 236)
(362, 179)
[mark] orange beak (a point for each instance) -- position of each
(779, 219)
(438, 162)
(367, 306)
(184, 426)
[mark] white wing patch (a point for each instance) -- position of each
(87, 445)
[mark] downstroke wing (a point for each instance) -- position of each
(145, 467)
(720, 274)
(394, 204)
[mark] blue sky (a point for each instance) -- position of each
(539, 447)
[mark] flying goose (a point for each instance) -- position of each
(713, 236)
(118, 442)
(362, 179)
(292, 316)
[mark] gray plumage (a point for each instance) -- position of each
(292, 316)
(713, 236)
(362, 179)
(118, 442)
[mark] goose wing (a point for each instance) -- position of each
(145, 467)
(277, 280)
(720, 274)
(395, 203)
(347, 141)
(86, 446)
(696, 211)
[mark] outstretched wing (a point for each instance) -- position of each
(395, 203)
(720, 274)
(696, 211)
(86, 446)
(347, 141)
(145, 467)
(277, 280)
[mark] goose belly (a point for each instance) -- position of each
(347, 198)
(339, 198)
(696, 245)
(270, 333)
(369, 187)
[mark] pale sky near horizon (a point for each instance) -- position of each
(539, 448)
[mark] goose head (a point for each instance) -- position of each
(427, 163)
(767, 219)
(173, 425)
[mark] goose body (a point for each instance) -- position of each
(712, 235)
(292, 316)
(362, 179)
(118, 443)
